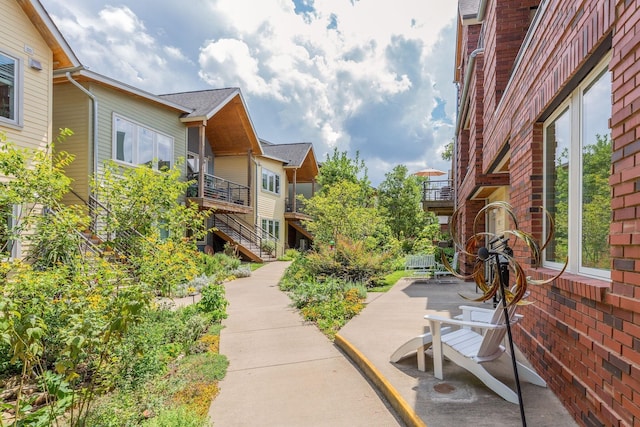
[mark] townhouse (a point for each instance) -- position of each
(31, 50)
(43, 87)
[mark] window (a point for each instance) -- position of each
(139, 145)
(577, 169)
(8, 213)
(9, 89)
(270, 181)
(270, 229)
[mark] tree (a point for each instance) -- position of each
(339, 167)
(447, 153)
(400, 196)
(338, 213)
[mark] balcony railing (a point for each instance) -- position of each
(298, 208)
(216, 188)
(437, 191)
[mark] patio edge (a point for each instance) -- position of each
(405, 412)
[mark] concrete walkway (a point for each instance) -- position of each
(284, 371)
(458, 400)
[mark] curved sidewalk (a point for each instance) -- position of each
(284, 371)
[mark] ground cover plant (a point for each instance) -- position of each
(83, 340)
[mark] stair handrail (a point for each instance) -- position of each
(250, 235)
(91, 204)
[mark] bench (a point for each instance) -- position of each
(420, 264)
(440, 269)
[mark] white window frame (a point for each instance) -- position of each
(270, 181)
(18, 93)
(137, 127)
(573, 107)
(12, 220)
(270, 228)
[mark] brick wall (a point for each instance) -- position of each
(582, 334)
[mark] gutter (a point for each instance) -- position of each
(94, 124)
(465, 87)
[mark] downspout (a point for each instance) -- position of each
(482, 7)
(94, 126)
(256, 185)
(465, 88)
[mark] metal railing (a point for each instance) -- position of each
(299, 206)
(246, 234)
(217, 188)
(437, 191)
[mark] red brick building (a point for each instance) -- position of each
(549, 117)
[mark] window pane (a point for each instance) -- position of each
(277, 189)
(558, 136)
(145, 147)
(5, 229)
(265, 179)
(7, 87)
(164, 152)
(596, 165)
(124, 140)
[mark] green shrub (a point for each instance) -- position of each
(177, 417)
(348, 261)
(213, 302)
(268, 246)
(166, 265)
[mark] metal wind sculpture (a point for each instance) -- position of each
(475, 247)
(502, 261)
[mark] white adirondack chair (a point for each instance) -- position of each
(469, 349)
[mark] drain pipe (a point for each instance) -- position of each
(94, 124)
(465, 88)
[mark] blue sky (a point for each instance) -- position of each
(371, 76)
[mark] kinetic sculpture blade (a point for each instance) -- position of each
(503, 262)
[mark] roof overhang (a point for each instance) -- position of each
(63, 56)
(83, 75)
(228, 128)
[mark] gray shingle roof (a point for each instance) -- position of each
(294, 154)
(203, 102)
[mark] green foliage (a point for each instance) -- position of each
(290, 255)
(178, 417)
(339, 167)
(337, 212)
(147, 201)
(212, 265)
(165, 265)
(213, 302)
(328, 301)
(400, 197)
(268, 246)
(57, 239)
(349, 261)
(37, 179)
(447, 153)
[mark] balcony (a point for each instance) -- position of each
(438, 197)
(294, 210)
(219, 194)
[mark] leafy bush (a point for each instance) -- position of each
(329, 302)
(268, 246)
(165, 265)
(178, 417)
(213, 302)
(219, 264)
(349, 261)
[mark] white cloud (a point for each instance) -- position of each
(359, 75)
